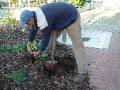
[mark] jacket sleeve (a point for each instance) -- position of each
(31, 34)
(45, 39)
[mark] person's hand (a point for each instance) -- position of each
(35, 54)
(29, 47)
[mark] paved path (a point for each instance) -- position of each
(105, 65)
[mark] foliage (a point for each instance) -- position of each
(77, 3)
(35, 45)
(7, 19)
(19, 47)
(3, 4)
(38, 3)
(13, 1)
(18, 76)
(41, 56)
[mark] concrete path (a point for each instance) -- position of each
(105, 65)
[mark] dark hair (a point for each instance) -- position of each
(35, 21)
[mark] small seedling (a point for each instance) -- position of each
(43, 55)
(17, 76)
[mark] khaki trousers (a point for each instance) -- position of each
(74, 32)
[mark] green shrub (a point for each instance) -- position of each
(77, 3)
(7, 19)
(13, 1)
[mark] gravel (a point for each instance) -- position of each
(101, 20)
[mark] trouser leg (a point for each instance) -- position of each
(74, 32)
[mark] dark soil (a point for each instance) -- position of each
(36, 78)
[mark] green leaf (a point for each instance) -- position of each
(18, 76)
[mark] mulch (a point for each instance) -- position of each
(35, 76)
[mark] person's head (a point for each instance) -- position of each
(26, 18)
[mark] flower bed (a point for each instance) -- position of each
(16, 71)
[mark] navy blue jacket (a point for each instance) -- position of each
(59, 15)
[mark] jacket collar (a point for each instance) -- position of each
(41, 19)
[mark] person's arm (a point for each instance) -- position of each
(45, 39)
(46, 33)
(31, 35)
